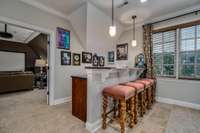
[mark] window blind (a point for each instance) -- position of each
(164, 52)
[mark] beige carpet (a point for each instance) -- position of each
(27, 112)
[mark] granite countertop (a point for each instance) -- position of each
(99, 67)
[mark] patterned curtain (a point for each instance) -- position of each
(148, 50)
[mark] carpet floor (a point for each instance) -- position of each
(27, 112)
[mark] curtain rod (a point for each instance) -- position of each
(196, 13)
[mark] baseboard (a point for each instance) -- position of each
(93, 127)
(179, 103)
(62, 100)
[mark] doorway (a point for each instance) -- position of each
(50, 53)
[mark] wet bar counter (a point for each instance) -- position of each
(97, 79)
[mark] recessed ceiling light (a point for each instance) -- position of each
(143, 1)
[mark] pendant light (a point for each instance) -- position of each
(134, 42)
(112, 28)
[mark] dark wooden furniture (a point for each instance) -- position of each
(79, 97)
(15, 81)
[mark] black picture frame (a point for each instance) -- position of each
(111, 57)
(86, 57)
(95, 60)
(122, 51)
(65, 58)
(63, 38)
(140, 61)
(76, 59)
(101, 61)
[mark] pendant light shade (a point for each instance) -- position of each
(112, 28)
(112, 31)
(134, 42)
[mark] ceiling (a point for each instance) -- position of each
(144, 11)
(20, 34)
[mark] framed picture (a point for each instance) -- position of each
(65, 58)
(122, 51)
(63, 39)
(95, 61)
(111, 56)
(76, 59)
(101, 61)
(86, 57)
(140, 61)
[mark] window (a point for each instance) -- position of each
(188, 54)
(164, 50)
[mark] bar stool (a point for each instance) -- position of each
(123, 94)
(148, 92)
(140, 102)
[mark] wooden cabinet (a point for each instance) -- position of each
(79, 97)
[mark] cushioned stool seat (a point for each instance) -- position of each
(150, 80)
(147, 83)
(119, 91)
(138, 86)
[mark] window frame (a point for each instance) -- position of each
(177, 64)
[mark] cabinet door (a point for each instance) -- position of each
(79, 98)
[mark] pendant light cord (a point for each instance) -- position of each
(112, 12)
(133, 17)
(5, 27)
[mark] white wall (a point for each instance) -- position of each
(181, 90)
(92, 26)
(127, 37)
(19, 11)
(12, 61)
(98, 38)
(78, 19)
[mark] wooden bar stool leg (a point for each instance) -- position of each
(104, 116)
(135, 108)
(141, 104)
(144, 102)
(132, 121)
(154, 93)
(119, 113)
(123, 115)
(115, 108)
(148, 98)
